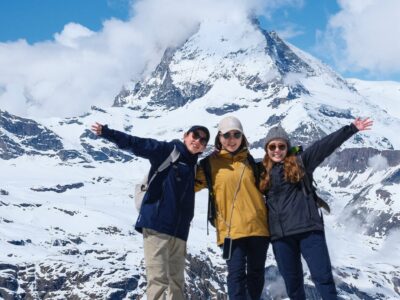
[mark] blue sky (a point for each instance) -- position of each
(303, 20)
(38, 20)
(50, 46)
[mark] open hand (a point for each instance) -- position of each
(365, 124)
(96, 128)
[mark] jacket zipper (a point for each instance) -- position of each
(161, 199)
(279, 218)
(179, 212)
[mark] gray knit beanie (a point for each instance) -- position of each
(277, 132)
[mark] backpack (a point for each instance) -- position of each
(206, 166)
(308, 184)
(141, 188)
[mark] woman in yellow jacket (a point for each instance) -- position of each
(241, 213)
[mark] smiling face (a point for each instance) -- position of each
(277, 150)
(231, 140)
(195, 141)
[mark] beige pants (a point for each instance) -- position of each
(164, 256)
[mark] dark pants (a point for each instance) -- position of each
(312, 245)
(246, 268)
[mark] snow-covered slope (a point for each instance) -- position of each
(66, 205)
(385, 93)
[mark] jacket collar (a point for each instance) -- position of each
(240, 156)
(189, 157)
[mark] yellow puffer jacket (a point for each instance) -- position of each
(249, 215)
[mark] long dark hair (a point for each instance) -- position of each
(293, 172)
(218, 145)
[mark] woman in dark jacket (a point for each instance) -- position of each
(295, 222)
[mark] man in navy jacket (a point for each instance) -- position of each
(168, 205)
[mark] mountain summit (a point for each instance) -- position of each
(250, 59)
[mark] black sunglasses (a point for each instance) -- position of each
(272, 147)
(237, 135)
(196, 136)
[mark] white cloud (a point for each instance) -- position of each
(363, 36)
(290, 31)
(80, 68)
(378, 163)
(77, 69)
(72, 34)
(390, 246)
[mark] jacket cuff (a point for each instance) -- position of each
(105, 131)
(353, 128)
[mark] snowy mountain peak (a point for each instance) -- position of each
(218, 52)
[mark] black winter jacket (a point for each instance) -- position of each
(290, 210)
(168, 205)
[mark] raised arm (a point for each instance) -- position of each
(123, 140)
(144, 147)
(317, 152)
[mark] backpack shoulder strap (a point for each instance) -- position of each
(211, 211)
(306, 181)
(307, 184)
(255, 168)
(172, 157)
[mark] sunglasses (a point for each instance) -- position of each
(272, 147)
(196, 136)
(237, 135)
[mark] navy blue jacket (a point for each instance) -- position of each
(168, 205)
(290, 211)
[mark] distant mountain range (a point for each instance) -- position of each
(66, 203)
